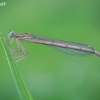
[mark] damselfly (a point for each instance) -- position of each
(72, 48)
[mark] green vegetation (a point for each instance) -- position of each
(19, 82)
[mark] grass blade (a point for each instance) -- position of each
(19, 82)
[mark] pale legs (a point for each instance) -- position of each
(20, 46)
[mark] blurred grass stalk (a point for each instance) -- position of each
(19, 82)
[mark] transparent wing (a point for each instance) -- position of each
(72, 51)
(67, 50)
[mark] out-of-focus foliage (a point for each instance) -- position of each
(49, 74)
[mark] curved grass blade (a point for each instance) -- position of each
(19, 82)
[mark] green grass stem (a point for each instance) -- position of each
(19, 82)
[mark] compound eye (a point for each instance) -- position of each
(11, 34)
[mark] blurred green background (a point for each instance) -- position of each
(49, 74)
